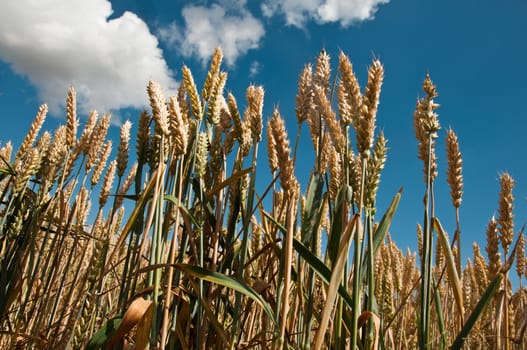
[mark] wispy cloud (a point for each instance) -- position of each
(58, 43)
(254, 69)
(227, 24)
(298, 12)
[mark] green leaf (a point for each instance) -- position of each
(320, 268)
(439, 311)
(212, 318)
(8, 170)
(336, 278)
(312, 208)
(478, 310)
(233, 178)
(104, 334)
(486, 297)
(335, 235)
(205, 202)
(384, 225)
(138, 209)
(174, 199)
(226, 281)
(453, 276)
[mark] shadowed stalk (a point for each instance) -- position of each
(357, 268)
(369, 341)
(172, 254)
(426, 268)
(351, 231)
(246, 232)
(288, 259)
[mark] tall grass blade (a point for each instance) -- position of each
(453, 276)
(228, 282)
(383, 227)
(104, 334)
(439, 312)
(320, 269)
(336, 278)
(138, 210)
(478, 310)
(313, 208)
(485, 298)
(337, 229)
(232, 179)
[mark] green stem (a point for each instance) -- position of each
(172, 256)
(247, 227)
(357, 258)
(371, 277)
(426, 264)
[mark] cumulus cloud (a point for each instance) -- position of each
(298, 12)
(227, 24)
(57, 43)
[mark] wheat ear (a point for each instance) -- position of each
(33, 131)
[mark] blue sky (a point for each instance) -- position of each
(475, 52)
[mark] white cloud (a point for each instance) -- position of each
(254, 69)
(228, 25)
(299, 12)
(347, 12)
(57, 43)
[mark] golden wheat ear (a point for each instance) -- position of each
(123, 149)
(33, 131)
(505, 215)
(304, 97)
(454, 171)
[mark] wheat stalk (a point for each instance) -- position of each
(366, 124)
(71, 116)
(122, 150)
(190, 87)
(159, 108)
(492, 248)
(212, 74)
(97, 137)
(350, 97)
(276, 125)
(253, 113)
(107, 183)
(304, 97)
(33, 131)
(101, 163)
(505, 216)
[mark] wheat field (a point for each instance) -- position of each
(170, 242)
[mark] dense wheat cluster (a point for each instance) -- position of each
(167, 242)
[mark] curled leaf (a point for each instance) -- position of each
(138, 310)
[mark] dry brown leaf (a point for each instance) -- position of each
(137, 311)
(143, 328)
(364, 317)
